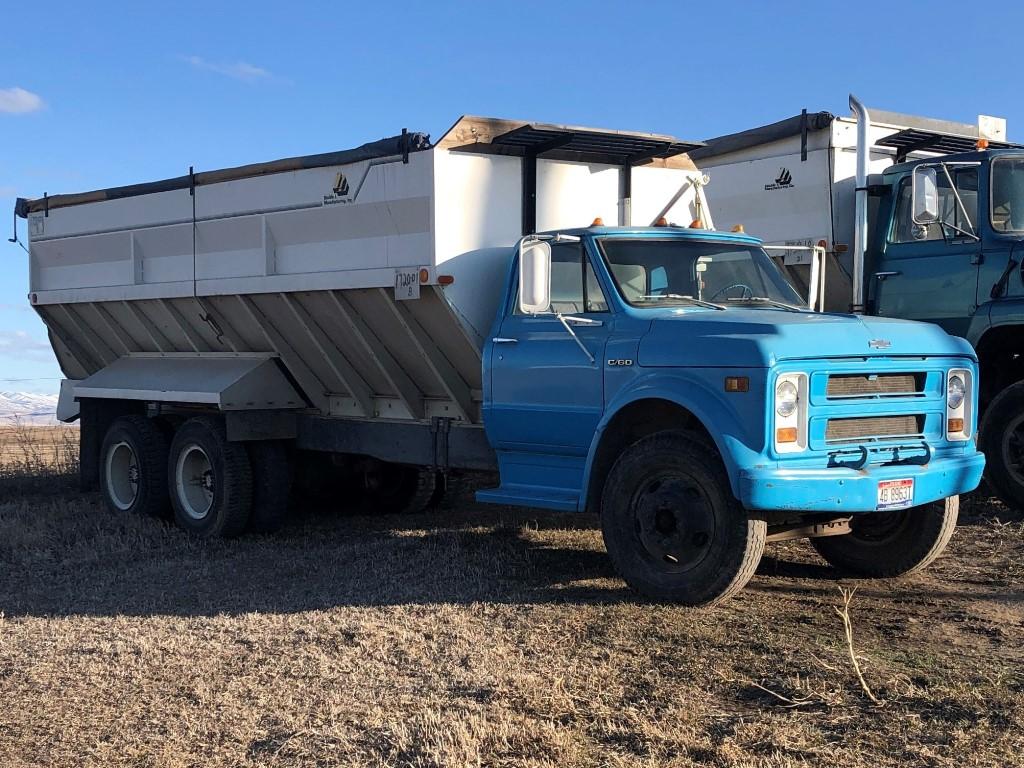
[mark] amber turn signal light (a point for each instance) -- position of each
(785, 435)
(737, 383)
(955, 425)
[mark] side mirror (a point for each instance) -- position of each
(534, 277)
(925, 195)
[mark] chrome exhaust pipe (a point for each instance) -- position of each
(860, 221)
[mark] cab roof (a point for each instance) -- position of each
(683, 233)
(978, 156)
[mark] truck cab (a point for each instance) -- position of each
(672, 380)
(955, 260)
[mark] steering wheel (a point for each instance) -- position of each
(748, 292)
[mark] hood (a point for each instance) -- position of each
(763, 337)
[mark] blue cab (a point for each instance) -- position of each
(670, 380)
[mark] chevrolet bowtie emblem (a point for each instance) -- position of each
(879, 343)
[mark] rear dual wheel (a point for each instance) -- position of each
(133, 467)
(214, 487)
(401, 488)
(210, 480)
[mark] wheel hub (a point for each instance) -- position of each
(194, 481)
(675, 522)
(122, 470)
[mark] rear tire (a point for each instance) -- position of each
(888, 544)
(393, 489)
(133, 467)
(210, 480)
(272, 484)
(671, 525)
(1001, 439)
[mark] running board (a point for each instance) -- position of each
(557, 499)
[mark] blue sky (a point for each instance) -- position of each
(102, 93)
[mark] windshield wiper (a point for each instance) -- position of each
(772, 302)
(676, 296)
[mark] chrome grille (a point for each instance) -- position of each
(866, 385)
(873, 428)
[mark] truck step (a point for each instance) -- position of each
(558, 499)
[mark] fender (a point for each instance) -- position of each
(998, 313)
(736, 422)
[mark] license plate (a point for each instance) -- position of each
(895, 494)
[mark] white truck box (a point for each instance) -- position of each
(299, 259)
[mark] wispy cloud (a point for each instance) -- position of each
(239, 70)
(19, 344)
(18, 101)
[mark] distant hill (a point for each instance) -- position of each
(28, 408)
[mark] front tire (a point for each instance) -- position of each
(1001, 439)
(210, 480)
(888, 544)
(133, 467)
(671, 525)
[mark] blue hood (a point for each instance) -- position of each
(762, 337)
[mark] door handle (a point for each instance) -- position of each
(883, 275)
(582, 321)
(503, 340)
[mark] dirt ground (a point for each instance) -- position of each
(485, 636)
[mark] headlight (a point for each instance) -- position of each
(786, 397)
(959, 404)
(955, 392)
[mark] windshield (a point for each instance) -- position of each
(651, 272)
(1008, 194)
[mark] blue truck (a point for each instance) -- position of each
(665, 378)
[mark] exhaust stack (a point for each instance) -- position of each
(860, 222)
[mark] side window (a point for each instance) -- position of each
(954, 224)
(574, 286)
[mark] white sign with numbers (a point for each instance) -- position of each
(407, 284)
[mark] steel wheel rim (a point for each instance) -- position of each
(194, 481)
(122, 472)
(1013, 448)
(675, 521)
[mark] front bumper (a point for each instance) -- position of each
(839, 489)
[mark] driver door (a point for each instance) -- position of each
(930, 272)
(546, 394)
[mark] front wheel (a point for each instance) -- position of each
(887, 544)
(671, 525)
(1001, 439)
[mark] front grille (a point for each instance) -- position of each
(867, 385)
(873, 428)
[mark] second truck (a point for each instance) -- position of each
(921, 219)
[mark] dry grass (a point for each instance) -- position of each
(484, 636)
(35, 456)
